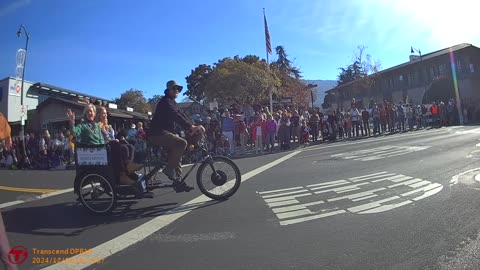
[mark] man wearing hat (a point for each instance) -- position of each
(162, 133)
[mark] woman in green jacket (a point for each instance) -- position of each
(88, 132)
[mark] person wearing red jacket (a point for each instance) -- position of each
(259, 133)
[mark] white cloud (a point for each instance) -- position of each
(436, 24)
(13, 6)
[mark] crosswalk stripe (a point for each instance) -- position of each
(395, 178)
(328, 183)
(285, 198)
(385, 176)
(367, 176)
(356, 195)
(337, 189)
(363, 207)
(282, 203)
(284, 194)
(297, 213)
(278, 190)
(329, 186)
(406, 182)
(298, 220)
(386, 207)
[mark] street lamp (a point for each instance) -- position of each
(22, 132)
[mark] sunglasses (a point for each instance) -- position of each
(177, 88)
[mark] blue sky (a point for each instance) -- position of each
(106, 47)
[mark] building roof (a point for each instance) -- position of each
(60, 100)
(424, 57)
(55, 91)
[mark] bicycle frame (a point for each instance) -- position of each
(157, 167)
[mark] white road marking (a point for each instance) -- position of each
(303, 219)
(368, 176)
(406, 183)
(150, 227)
(283, 194)
(329, 183)
(282, 203)
(384, 208)
(357, 195)
(337, 189)
(379, 152)
(286, 198)
(470, 131)
(364, 198)
(384, 177)
(395, 178)
(278, 190)
(388, 191)
(298, 213)
(363, 207)
(43, 196)
(7, 204)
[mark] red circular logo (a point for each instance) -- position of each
(18, 88)
(18, 255)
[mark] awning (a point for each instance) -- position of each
(118, 114)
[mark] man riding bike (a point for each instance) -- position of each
(162, 133)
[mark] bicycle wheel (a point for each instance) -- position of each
(218, 178)
(97, 194)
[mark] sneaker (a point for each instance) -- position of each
(180, 186)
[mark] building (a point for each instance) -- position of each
(46, 106)
(193, 108)
(432, 77)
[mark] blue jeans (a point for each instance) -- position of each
(270, 140)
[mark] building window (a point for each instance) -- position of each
(432, 73)
(410, 79)
(441, 69)
(459, 66)
(390, 83)
(472, 68)
(400, 78)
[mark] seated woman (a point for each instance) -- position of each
(126, 152)
(90, 133)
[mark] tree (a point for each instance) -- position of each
(289, 78)
(196, 82)
(285, 65)
(362, 69)
(153, 101)
(235, 80)
(134, 99)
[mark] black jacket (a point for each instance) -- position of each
(166, 115)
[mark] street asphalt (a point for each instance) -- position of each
(405, 201)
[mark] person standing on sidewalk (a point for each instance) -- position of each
(355, 117)
(376, 119)
(366, 124)
(271, 129)
(228, 130)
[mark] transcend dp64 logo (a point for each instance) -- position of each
(18, 255)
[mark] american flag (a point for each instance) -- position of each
(267, 35)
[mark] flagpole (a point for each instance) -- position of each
(270, 94)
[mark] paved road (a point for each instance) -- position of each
(406, 201)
